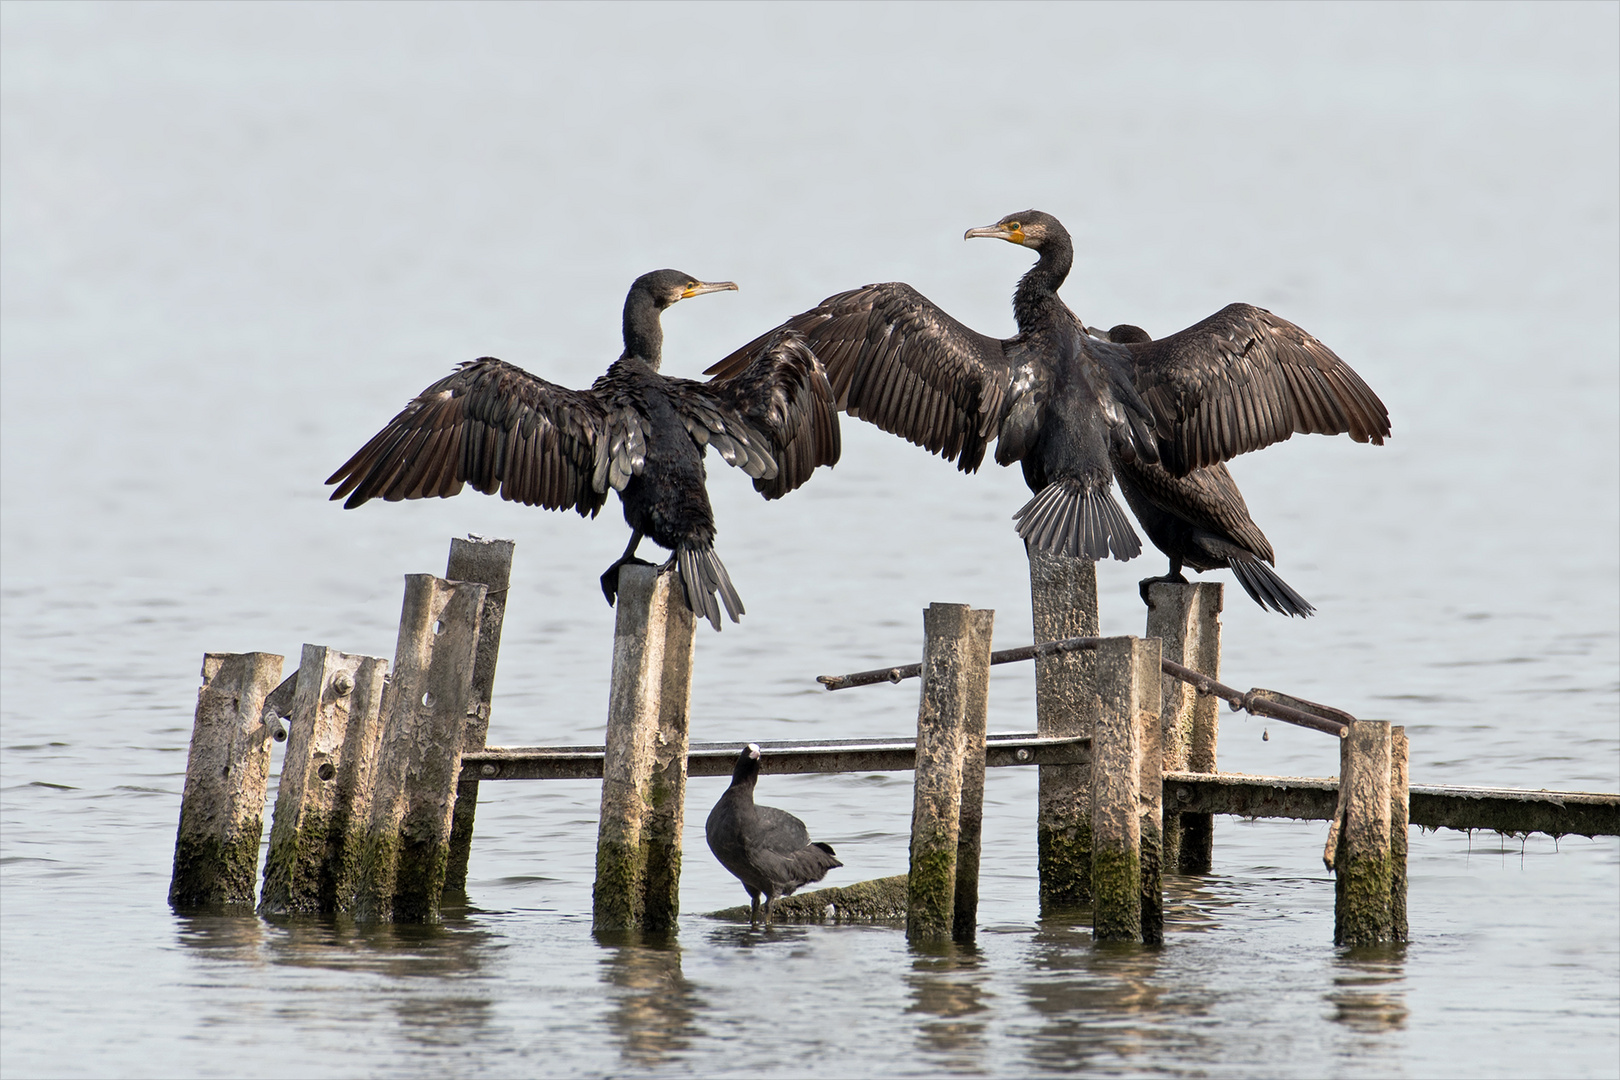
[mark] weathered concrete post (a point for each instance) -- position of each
(1187, 618)
(425, 710)
(1400, 813)
(488, 562)
(1063, 596)
(1361, 846)
(323, 803)
(955, 682)
(1126, 794)
(643, 779)
(216, 848)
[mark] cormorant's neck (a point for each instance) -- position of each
(643, 334)
(1037, 290)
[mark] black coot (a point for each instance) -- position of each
(768, 849)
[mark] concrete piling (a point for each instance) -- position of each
(955, 683)
(1126, 794)
(488, 562)
(975, 722)
(1186, 618)
(1063, 597)
(1400, 813)
(323, 803)
(644, 766)
(216, 848)
(425, 710)
(1360, 837)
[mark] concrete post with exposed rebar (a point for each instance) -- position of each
(1362, 858)
(216, 848)
(1186, 618)
(644, 766)
(488, 562)
(955, 682)
(425, 709)
(323, 803)
(1063, 598)
(1126, 793)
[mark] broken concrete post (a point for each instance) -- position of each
(1362, 862)
(216, 848)
(1187, 619)
(1126, 794)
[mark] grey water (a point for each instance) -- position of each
(237, 238)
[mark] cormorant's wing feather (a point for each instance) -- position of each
(896, 360)
(1207, 499)
(494, 426)
(1243, 379)
(773, 417)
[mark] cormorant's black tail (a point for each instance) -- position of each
(1266, 588)
(703, 576)
(1068, 518)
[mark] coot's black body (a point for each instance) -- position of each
(635, 431)
(769, 850)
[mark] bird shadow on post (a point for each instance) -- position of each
(1063, 598)
(425, 709)
(644, 764)
(1187, 619)
(941, 904)
(216, 847)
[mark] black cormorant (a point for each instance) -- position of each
(497, 427)
(1059, 400)
(769, 850)
(1200, 520)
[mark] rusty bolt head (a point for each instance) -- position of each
(342, 684)
(1022, 755)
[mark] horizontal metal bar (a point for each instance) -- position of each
(814, 756)
(1268, 703)
(1508, 810)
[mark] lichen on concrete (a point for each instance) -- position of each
(1064, 856)
(931, 894)
(1116, 883)
(878, 900)
(209, 872)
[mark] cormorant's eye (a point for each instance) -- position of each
(1014, 226)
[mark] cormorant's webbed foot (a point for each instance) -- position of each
(610, 578)
(1146, 583)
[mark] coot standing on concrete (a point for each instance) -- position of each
(769, 850)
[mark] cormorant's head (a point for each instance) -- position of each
(667, 286)
(1030, 228)
(1126, 334)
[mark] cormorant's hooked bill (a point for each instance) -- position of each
(635, 431)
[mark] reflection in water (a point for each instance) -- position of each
(1369, 989)
(417, 959)
(947, 982)
(1102, 1001)
(655, 1008)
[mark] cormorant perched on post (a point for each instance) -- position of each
(1058, 400)
(769, 850)
(1201, 520)
(497, 427)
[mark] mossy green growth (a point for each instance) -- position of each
(878, 900)
(618, 883)
(209, 871)
(1064, 856)
(931, 894)
(294, 870)
(1116, 906)
(379, 858)
(419, 883)
(1361, 912)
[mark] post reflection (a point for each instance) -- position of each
(1369, 989)
(947, 984)
(654, 1014)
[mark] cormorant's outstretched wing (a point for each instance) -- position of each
(898, 361)
(494, 426)
(774, 417)
(1243, 379)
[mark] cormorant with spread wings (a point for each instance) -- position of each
(1059, 400)
(635, 431)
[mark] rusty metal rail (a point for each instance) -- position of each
(1267, 703)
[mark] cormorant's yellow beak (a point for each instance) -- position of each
(698, 288)
(998, 231)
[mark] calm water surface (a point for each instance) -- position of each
(238, 238)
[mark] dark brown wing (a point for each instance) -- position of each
(1207, 499)
(1243, 379)
(775, 417)
(494, 426)
(896, 360)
